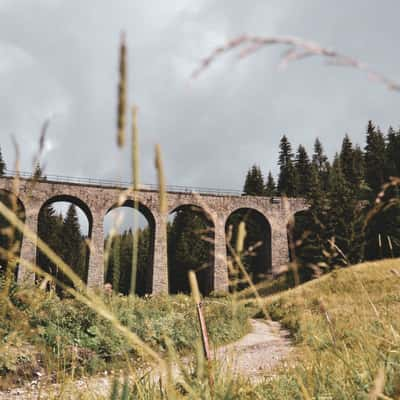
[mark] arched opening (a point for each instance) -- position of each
(304, 249)
(256, 257)
(65, 224)
(190, 247)
(124, 227)
(10, 237)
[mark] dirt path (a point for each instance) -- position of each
(253, 356)
(259, 351)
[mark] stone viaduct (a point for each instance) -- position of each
(96, 199)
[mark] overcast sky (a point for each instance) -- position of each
(59, 58)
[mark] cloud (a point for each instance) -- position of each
(60, 58)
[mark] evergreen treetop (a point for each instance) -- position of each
(254, 184)
(319, 159)
(270, 186)
(287, 181)
(374, 158)
(393, 153)
(2, 164)
(303, 165)
(347, 159)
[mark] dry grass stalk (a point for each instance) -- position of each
(379, 384)
(121, 117)
(161, 181)
(298, 49)
(241, 237)
(204, 335)
(135, 187)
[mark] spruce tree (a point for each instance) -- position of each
(270, 186)
(374, 158)
(46, 233)
(2, 164)
(254, 184)
(359, 170)
(344, 219)
(116, 252)
(302, 164)
(144, 259)
(321, 163)
(311, 229)
(72, 241)
(287, 181)
(347, 160)
(393, 153)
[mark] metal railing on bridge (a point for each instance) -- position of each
(114, 183)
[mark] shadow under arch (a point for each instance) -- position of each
(190, 243)
(146, 246)
(257, 250)
(10, 238)
(50, 230)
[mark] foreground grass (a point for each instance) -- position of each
(346, 329)
(346, 326)
(41, 333)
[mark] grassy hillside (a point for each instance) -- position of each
(346, 326)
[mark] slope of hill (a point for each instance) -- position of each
(347, 329)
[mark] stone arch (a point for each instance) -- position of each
(7, 240)
(41, 258)
(144, 274)
(77, 202)
(200, 257)
(257, 246)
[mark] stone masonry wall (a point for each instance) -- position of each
(96, 201)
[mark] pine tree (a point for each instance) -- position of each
(302, 164)
(2, 164)
(72, 238)
(311, 229)
(393, 153)
(116, 252)
(144, 259)
(343, 217)
(359, 170)
(287, 181)
(49, 230)
(374, 158)
(321, 163)
(254, 184)
(347, 160)
(270, 186)
(383, 228)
